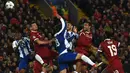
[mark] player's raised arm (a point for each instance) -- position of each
(35, 36)
(64, 26)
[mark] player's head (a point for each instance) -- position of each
(87, 26)
(69, 26)
(108, 34)
(34, 27)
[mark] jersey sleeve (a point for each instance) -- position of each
(34, 37)
(83, 40)
(27, 39)
(14, 44)
(63, 29)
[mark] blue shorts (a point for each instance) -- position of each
(23, 64)
(65, 58)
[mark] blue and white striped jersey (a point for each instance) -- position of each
(70, 36)
(62, 43)
(24, 47)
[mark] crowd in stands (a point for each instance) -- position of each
(18, 19)
(109, 15)
(105, 15)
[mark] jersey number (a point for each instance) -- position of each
(57, 42)
(113, 50)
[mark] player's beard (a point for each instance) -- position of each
(35, 29)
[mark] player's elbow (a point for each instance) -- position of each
(38, 42)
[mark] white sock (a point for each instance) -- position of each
(74, 66)
(39, 59)
(87, 60)
(75, 72)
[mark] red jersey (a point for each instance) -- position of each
(109, 47)
(42, 50)
(84, 40)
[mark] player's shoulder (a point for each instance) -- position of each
(34, 32)
(26, 38)
(105, 41)
(102, 43)
(14, 41)
(108, 40)
(115, 41)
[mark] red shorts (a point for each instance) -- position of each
(115, 67)
(81, 50)
(38, 67)
(44, 52)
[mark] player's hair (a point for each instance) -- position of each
(32, 22)
(108, 34)
(68, 23)
(89, 23)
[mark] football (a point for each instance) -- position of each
(9, 5)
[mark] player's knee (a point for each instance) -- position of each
(63, 71)
(116, 71)
(79, 56)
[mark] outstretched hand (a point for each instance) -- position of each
(75, 30)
